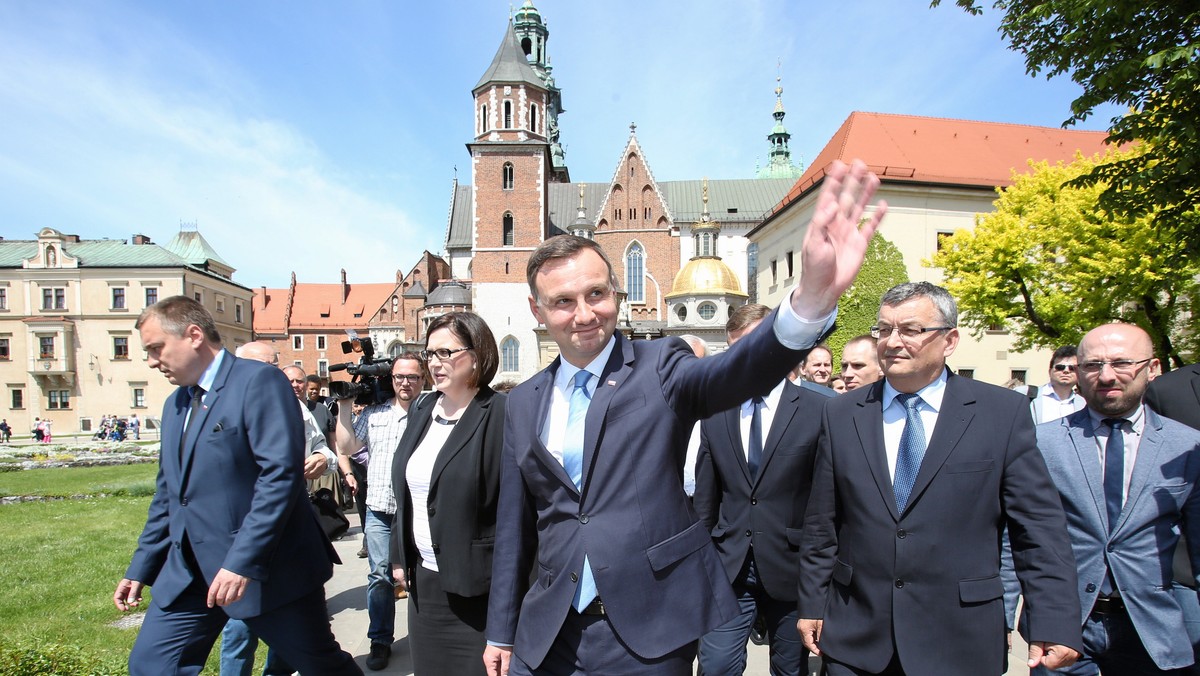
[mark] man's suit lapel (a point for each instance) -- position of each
(543, 388)
(616, 373)
(196, 428)
(868, 423)
(1144, 464)
(958, 408)
(784, 413)
(1083, 441)
(732, 419)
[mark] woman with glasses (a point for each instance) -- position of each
(446, 476)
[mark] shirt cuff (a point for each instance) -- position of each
(800, 333)
(497, 644)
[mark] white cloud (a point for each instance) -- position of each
(93, 138)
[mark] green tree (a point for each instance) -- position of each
(1051, 264)
(1142, 54)
(858, 308)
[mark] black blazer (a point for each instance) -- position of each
(1176, 395)
(767, 511)
(463, 493)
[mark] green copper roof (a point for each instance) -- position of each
(510, 65)
(191, 246)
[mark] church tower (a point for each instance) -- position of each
(779, 162)
(512, 167)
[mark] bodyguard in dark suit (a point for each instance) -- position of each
(753, 475)
(915, 478)
(591, 492)
(1127, 478)
(229, 531)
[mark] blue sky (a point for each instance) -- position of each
(308, 136)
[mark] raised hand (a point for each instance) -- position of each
(837, 238)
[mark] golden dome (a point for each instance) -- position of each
(707, 276)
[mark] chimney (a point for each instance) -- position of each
(141, 239)
(265, 297)
(345, 289)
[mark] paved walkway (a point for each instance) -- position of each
(347, 597)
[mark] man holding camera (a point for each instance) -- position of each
(379, 429)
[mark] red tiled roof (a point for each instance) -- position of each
(907, 148)
(318, 305)
(269, 308)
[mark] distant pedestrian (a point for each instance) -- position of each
(5, 431)
(135, 426)
(38, 432)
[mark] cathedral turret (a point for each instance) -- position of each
(779, 163)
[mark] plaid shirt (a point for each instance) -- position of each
(381, 425)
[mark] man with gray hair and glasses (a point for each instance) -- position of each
(915, 477)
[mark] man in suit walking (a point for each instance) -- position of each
(229, 532)
(754, 471)
(625, 579)
(915, 478)
(1127, 478)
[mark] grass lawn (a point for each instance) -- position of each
(62, 559)
(136, 479)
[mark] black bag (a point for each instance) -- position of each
(333, 521)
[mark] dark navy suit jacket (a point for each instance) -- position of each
(767, 510)
(925, 584)
(654, 564)
(237, 496)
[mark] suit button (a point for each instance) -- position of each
(574, 577)
(583, 518)
(436, 549)
(432, 510)
(899, 584)
(1089, 588)
(901, 533)
(749, 533)
(1109, 548)
(183, 502)
(754, 501)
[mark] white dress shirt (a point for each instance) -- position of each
(894, 416)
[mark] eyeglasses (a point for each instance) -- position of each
(442, 353)
(1125, 367)
(883, 331)
(1069, 368)
(401, 377)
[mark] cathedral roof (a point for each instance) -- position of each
(706, 276)
(510, 65)
(452, 292)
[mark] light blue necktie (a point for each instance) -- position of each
(912, 450)
(572, 457)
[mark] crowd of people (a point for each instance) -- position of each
(638, 506)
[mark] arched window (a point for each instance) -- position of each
(508, 114)
(509, 236)
(635, 273)
(483, 119)
(507, 181)
(510, 351)
(533, 119)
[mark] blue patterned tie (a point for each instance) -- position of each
(572, 457)
(1114, 471)
(912, 450)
